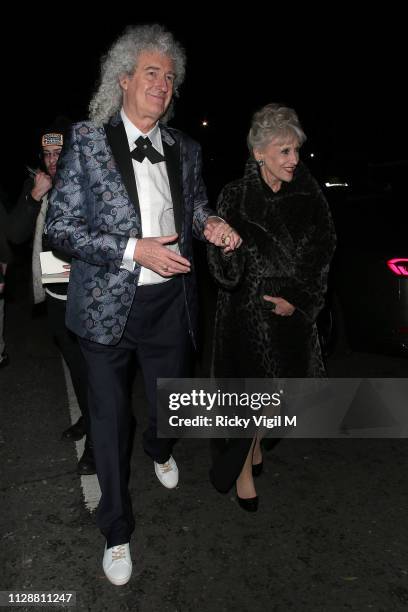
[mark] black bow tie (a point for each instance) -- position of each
(144, 148)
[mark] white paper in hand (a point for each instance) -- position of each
(52, 268)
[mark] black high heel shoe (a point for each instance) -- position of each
(257, 469)
(75, 432)
(250, 504)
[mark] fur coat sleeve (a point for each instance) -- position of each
(226, 269)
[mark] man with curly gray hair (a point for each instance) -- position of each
(128, 199)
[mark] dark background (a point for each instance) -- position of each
(319, 540)
(344, 76)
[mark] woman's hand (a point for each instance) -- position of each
(219, 233)
(282, 307)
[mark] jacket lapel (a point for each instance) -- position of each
(171, 149)
(117, 139)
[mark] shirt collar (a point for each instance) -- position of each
(133, 133)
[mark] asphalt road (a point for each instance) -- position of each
(331, 533)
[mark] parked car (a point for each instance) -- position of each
(368, 288)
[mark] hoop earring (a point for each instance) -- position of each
(260, 162)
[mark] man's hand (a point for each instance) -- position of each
(221, 234)
(153, 254)
(42, 184)
(282, 307)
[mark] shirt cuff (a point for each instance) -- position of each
(216, 217)
(127, 262)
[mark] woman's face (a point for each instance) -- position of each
(280, 157)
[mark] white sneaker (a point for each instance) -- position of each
(167, 473)
(117, 564)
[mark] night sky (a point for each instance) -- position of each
(346, 79)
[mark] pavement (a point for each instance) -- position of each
(331, 532)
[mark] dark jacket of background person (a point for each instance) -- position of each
(5, 258)
(5, 252)
(288, 243)
(21, 227)
(24, 215)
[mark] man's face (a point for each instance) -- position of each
(148, 92)
(51, 154)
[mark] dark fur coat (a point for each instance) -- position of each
(288, 243)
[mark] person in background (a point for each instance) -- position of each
(5, 256)
(272, 288)
(128, 198)
(26, 220)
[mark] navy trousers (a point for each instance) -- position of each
(157, 334)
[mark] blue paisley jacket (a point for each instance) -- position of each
(93, 211)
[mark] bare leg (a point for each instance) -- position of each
(257, 454)
(245, 482)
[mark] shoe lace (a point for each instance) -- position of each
(118, 552)
(165, 467)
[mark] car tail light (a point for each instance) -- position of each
(398, 266)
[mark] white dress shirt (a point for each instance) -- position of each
(156, 206)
